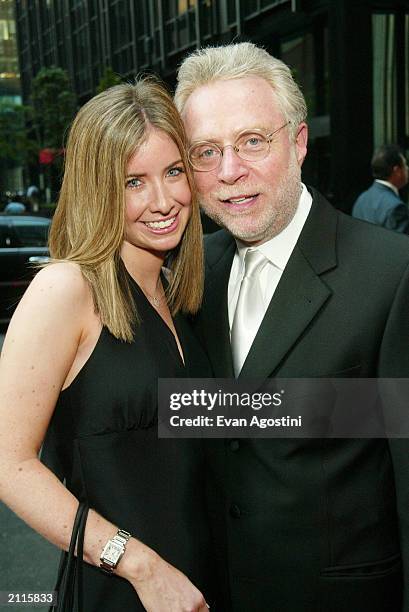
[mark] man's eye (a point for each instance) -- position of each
(133, 183)
(206, 153)
(253, 141)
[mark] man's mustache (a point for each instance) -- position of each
(237, 191)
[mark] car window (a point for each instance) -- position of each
(34, 235)
(5, 237)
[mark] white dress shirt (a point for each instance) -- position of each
(277, 251)
(388, 184)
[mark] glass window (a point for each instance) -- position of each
(249, 7)
(5, 237)
(406, 51)
(298, 53)
(307, 55)
(35, 235)
(384, 79)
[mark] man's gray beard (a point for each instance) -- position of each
(286, 198)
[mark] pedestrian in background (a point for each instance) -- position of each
(381, 203)
(15, 208)
(33, 198)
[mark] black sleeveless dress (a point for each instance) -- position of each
(103, 440)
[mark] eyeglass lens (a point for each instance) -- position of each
(249, 146)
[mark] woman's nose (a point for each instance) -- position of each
(161, 200)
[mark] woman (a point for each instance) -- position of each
(84, 350)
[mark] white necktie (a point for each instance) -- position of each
(249, 310)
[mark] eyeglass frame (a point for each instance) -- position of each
(268, 138)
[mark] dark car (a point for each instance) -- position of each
(23, 243)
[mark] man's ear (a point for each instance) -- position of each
(301, 141)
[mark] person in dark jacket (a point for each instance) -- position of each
(294, 289)
(381, 203)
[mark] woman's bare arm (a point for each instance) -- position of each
(44, 335)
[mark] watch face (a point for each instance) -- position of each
(112, 552)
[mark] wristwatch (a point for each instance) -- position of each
(113, 551)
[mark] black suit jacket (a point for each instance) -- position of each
(315, 525)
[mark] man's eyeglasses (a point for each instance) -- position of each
(250, 145)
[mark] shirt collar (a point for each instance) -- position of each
(278, 249)
(388, 184)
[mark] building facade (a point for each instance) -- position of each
(9, 68)
(350, 58)
(11, 175)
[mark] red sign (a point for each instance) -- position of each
(46, 156)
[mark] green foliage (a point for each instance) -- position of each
(53, 106)
(108, 79)
(16, 148)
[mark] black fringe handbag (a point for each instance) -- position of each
(69, 585)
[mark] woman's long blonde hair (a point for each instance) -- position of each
(89, 222)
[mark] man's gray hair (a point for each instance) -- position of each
(240, 60)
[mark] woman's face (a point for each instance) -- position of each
(157, 195)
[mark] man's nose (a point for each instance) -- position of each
(231, 167)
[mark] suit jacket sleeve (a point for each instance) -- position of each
(394, 363)
(398, 219)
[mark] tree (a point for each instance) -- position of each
(53, 104)
(53, 108)
(16, 148)
(108, 79)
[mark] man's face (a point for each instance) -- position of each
(403, 173)
(253, 200)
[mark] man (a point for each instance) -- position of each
(15, 208)
(33, 197)
(381, 203)
(301, 525)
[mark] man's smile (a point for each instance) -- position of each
(240, 199)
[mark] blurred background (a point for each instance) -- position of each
(350, 58)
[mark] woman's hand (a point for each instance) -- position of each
(163, 588)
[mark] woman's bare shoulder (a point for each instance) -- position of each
(62, 274)
(59, 291)
(60, 280)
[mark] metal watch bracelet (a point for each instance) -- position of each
(113, 551)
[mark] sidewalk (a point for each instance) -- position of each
(28, 563)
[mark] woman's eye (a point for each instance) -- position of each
(133, 183)
(175, 171)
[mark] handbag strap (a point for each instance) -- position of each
(69, 581)
(79, 565)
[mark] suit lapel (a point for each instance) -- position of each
(300, 293)
(297, 299)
